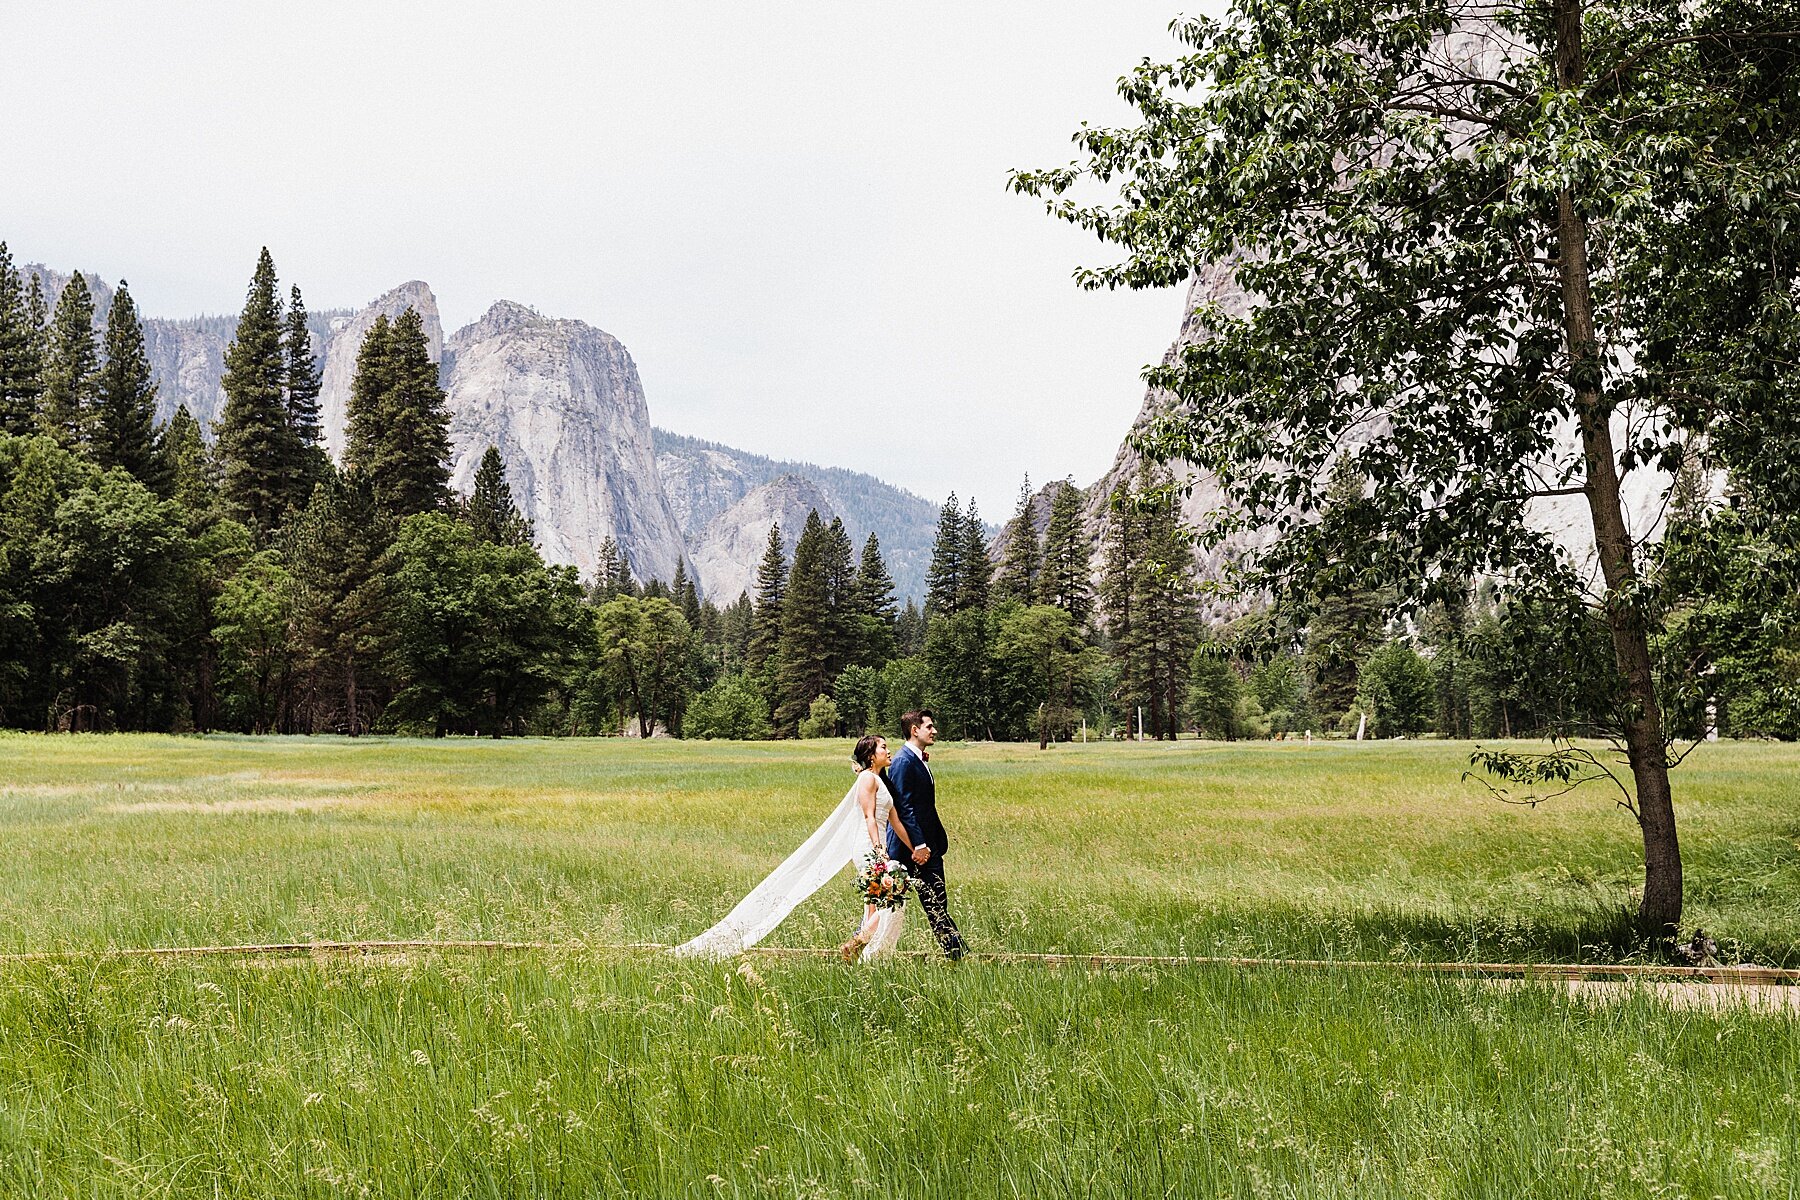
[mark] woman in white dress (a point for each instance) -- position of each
(876, 804)
(858, 825)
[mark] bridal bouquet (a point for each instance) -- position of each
(882, 881)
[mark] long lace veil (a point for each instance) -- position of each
(841, 839)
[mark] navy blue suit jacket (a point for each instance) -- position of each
(915, 806)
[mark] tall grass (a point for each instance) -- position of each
(1358, 851)
(579, 1076)
(585, 1072)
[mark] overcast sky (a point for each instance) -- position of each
(794, 215)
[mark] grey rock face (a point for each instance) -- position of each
(704, 480)
(346, 338)
(726, 553)
(563, 404)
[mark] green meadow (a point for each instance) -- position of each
(589, 1070)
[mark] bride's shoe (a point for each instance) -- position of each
(851, 950)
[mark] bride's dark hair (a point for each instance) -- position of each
(864, 754)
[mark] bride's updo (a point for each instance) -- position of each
(864, 754)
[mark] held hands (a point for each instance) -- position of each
(920, 854)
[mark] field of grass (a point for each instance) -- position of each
(590, 1072)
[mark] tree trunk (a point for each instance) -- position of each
(1660, 910)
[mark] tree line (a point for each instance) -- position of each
(150, 580)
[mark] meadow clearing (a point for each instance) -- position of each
(587, 1070)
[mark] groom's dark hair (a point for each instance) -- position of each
(910, 721)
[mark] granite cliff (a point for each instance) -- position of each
(562, 402)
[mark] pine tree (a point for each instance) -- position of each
(189, 467)
(302, 383)
(977, 572)
(415, 477)
(398, 431)
(341, 604)
(612, 573)
(1168, 610)
(803, 659)
(1119, 595)
(21, 364)
(771, 593)
(909, 630)
(123, 430)
(71, 367)
(735, 625)
(1066, 581)
(365, 414)
(490, 509)
(255, 440)
(873, 608)
(685, 595)
(943, 577)
(1021, 558)
(841, 625)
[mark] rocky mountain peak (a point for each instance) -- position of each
(729, 549)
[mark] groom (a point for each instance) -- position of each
(915, 806)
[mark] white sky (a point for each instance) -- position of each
(794, 215)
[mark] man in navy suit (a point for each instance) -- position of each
(915, 806)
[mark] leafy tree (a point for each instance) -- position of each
(1040, 647)
(1021, 555)
(1214, 692)
(731, 708)
(1278, 685)
(21, 362)
(478, 627)
(1066, 580)
(1457, 257)
(255, 439)
(906, 684)
(1347, 608)
(122, 432)
(857, 693)
(490, 509)
(91, 593)
(821, 719)
(1729, 650)
(254, 615)
(959, 653)
(643, 657)
(1397, 690)
(71, 371)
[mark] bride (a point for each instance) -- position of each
(857, 827)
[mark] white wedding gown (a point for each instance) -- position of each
(843, 838)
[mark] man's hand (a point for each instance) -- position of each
(920, 854)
